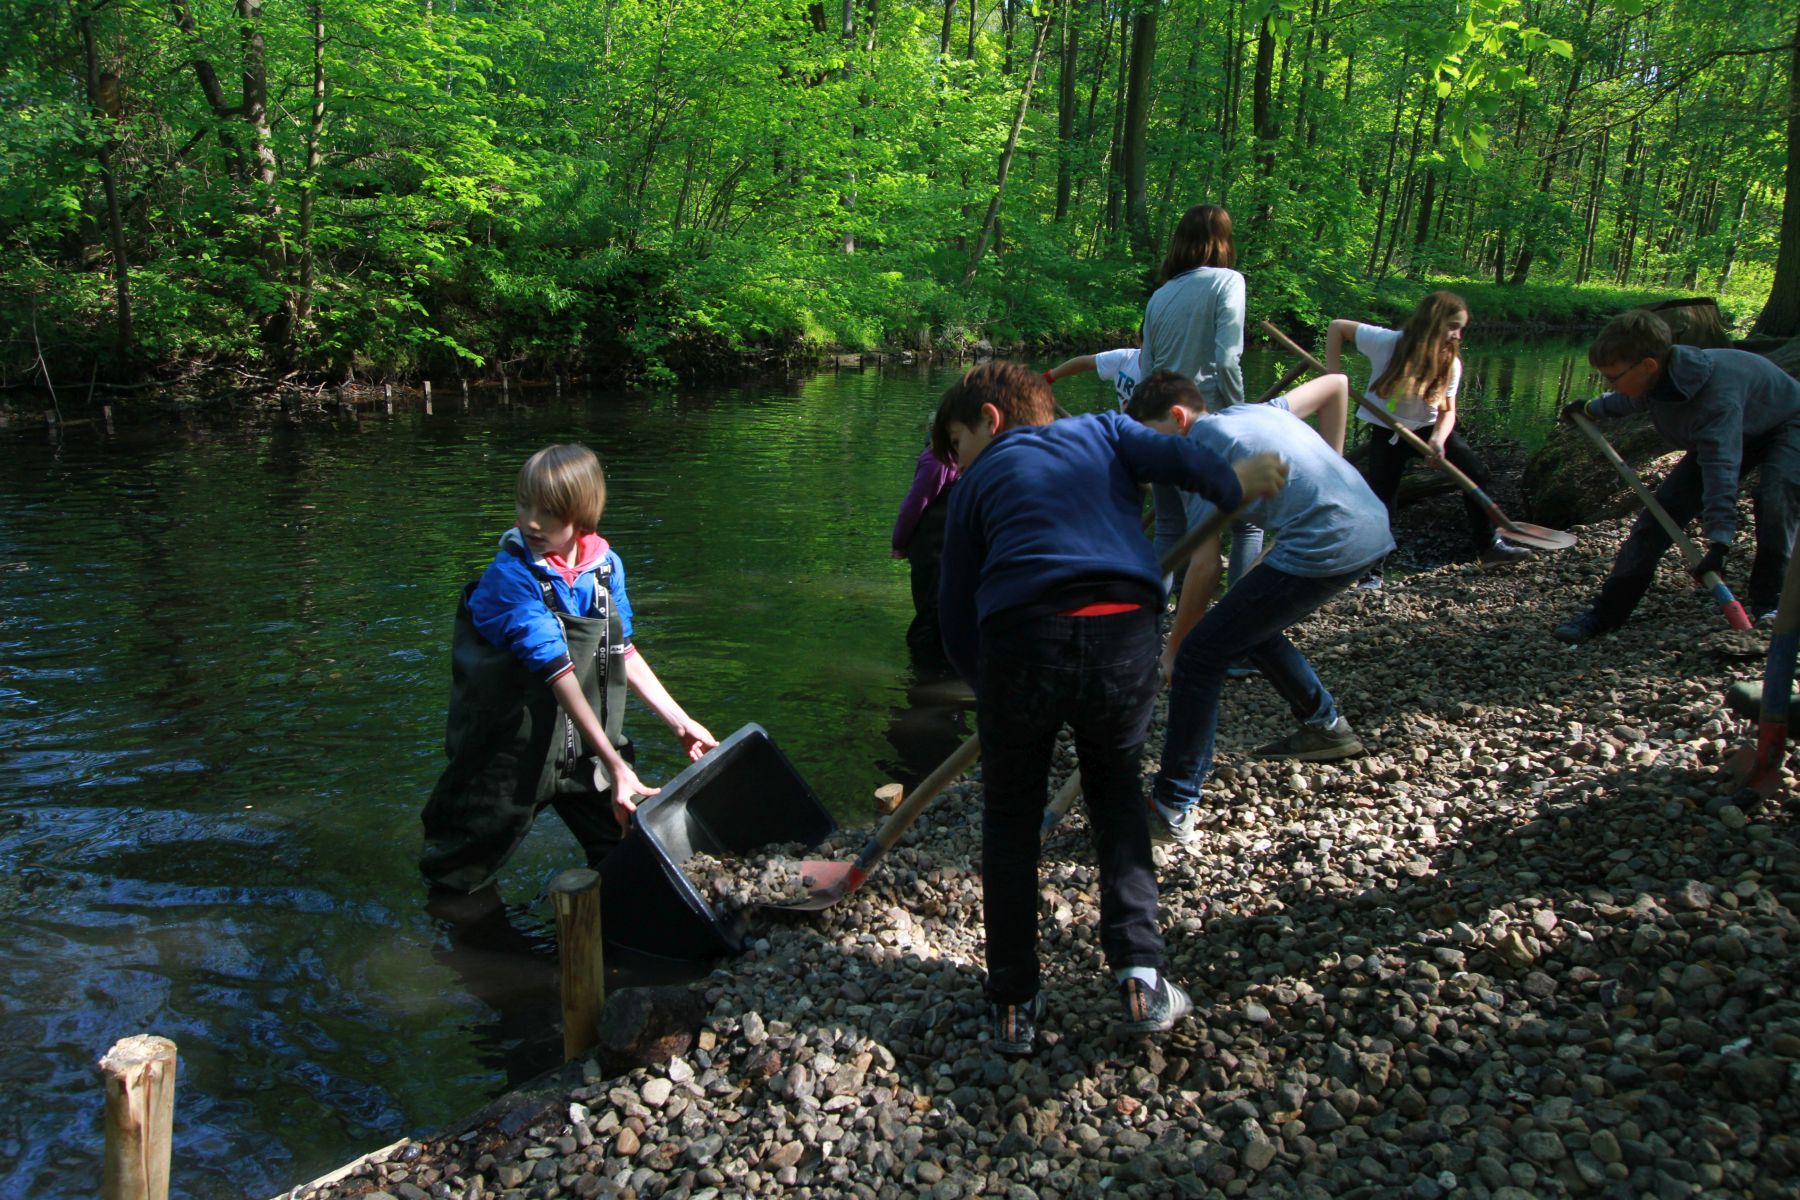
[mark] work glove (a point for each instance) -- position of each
(1713, 560)
(1568, 411)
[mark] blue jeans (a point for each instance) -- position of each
(1776, 497)
(1246, 622)
(1098, 675)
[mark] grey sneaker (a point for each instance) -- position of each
(1015, 1025)
(1371, 580)
(1183, 831)
(1152, 1010)
(1309, 743)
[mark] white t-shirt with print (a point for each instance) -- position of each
(1119, 368)
(1377, 345)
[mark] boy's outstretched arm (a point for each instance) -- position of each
(626, 788)
(694, 737)
(1074, 366)
(1203, 573)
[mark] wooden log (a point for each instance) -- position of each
(140, 1115)
(1694, 322)
(887, 798)
(575, 894)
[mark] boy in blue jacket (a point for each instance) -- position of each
(1049, 603)
(541, 656)
(1733, 412)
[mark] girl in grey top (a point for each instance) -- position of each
(1194, 326)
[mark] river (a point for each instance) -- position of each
(222, 679)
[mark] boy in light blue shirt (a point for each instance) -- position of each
(1328, 527)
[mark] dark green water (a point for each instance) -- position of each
(222, 675)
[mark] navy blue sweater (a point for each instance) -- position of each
(1049, 507)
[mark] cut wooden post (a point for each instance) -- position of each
(575, 894)
(106, 412)
(140, 1114)
(887, 798)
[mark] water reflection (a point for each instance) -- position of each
(222, 682)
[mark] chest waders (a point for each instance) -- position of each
(513, 750)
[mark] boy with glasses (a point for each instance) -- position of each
(1733, 412)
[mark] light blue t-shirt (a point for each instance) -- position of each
(1326, 521)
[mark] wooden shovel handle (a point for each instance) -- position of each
(1387, 422)
(964, 755)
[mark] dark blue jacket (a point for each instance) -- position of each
(1713, 404)
(1047, 506)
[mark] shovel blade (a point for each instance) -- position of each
(1538, 537)
(828, 882)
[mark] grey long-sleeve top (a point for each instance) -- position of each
(1712, 403)
(1194, 326)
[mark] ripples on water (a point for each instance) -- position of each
(222, 679)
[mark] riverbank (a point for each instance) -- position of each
(228, 390)
(1520, 948)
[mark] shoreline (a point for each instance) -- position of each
(1520, 948)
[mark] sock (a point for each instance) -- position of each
(1147, 974)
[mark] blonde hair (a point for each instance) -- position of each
(565, 481)
(1424, 358)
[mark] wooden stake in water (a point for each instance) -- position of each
(106, 413)
(428, 397)
(575, 895)
(140, 1114)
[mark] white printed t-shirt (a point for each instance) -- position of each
(1119, 368)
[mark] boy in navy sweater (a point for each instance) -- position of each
(1049, 603)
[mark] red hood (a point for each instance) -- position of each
(590, 548)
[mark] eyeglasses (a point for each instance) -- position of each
(1613, 380)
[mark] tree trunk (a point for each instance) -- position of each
(115, 224)
(260, 156)
(944, 34)
(1428, 192)
(1387, 172)
(308, 193)
(1262, 107)
(1591, 227)
(1065, 110)
(1137, 116)
(1406, 191)
(847, 31)
(1780, 317)
(1115, 159)
(1012, 142)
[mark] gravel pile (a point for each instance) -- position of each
(1521, 948)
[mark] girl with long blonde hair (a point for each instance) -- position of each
(1414, 374)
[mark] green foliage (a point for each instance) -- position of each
(646, 186)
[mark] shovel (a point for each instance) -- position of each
(828, 882)
(1523, 532)
(1735, 616)
(1758, 770)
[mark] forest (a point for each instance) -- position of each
(362, 189)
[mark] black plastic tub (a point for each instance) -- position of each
(743, 796)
